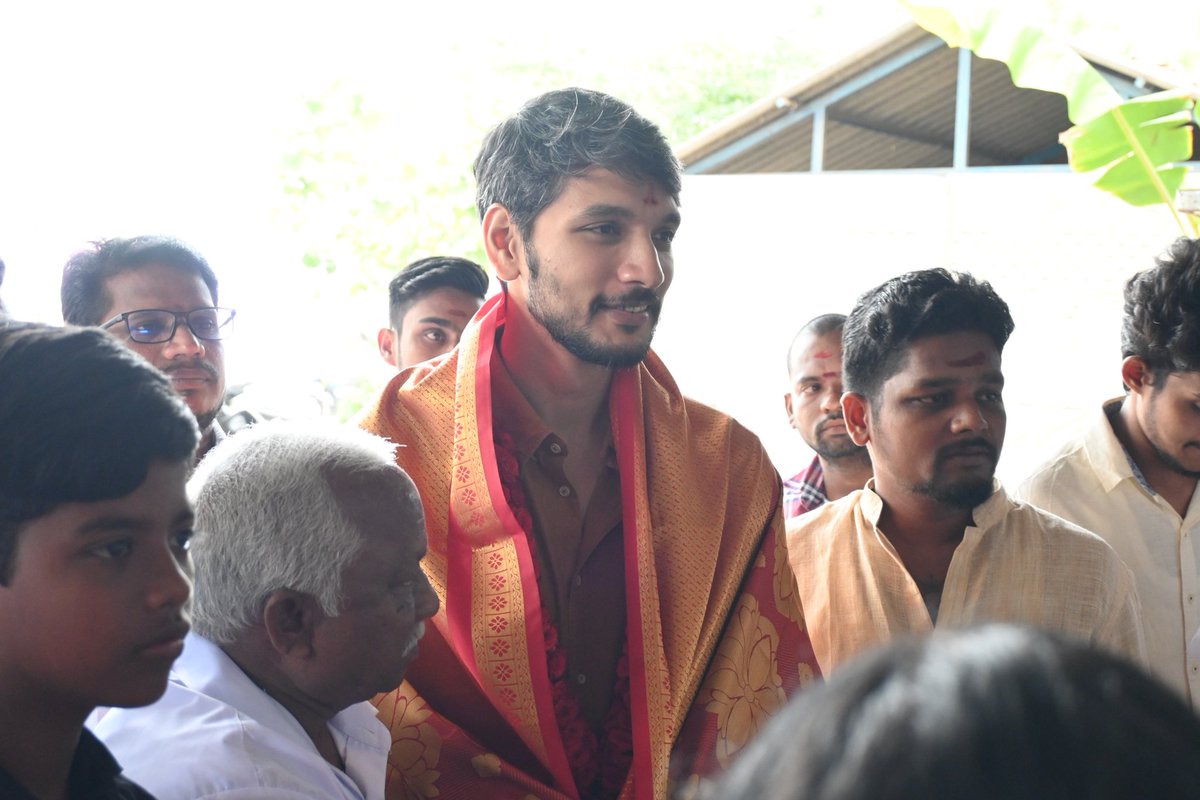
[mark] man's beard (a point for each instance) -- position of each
(966, 493)
(837, 448)
(573, 335)
(205, 420)
(1151, 431)
(1172, 463)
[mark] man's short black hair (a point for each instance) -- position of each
(817, 326)
(989, 713)
(436, 272)
(526, 160)
(81, 418)
(930, 302)
(85, 297)
(1162, 312)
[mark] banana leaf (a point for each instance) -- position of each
(1130, 146)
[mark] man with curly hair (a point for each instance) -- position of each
(1131, 477)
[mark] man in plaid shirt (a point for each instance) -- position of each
(814, 409)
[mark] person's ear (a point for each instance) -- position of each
(290, 619)
(787, 406)
(1136, 374)
(502, 242)
(856, 413)
(387, 346)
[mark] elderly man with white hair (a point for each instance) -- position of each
(309, 600)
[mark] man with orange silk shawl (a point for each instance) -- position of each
(618, 615)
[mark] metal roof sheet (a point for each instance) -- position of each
(892, 106)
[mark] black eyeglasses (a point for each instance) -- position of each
(154, 325)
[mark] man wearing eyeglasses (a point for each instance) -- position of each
(159, 298)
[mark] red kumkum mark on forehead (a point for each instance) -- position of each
(830, 375)
(970, 361)
(651, 198)
(822, 354)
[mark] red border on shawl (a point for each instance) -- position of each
(491, 317)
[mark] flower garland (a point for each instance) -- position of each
(599, 765)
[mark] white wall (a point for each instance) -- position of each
(758, 255)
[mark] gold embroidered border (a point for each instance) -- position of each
(498, 634)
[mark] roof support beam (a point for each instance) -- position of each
(962, 110)
(817, 164)
(714, 161)
(914, 136)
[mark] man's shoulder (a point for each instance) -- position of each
(825, 524)
(703, 418)
(192, 716)
(1054, 531)
(1073, 476)
(415, 399)
(212, 748)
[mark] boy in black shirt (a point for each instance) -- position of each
(94, 525)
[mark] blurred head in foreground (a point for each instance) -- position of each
(994, 712)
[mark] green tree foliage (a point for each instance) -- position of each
(368, 189)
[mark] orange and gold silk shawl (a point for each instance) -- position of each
(714, 641)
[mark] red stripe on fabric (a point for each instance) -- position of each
(491, 318)
(626, 432)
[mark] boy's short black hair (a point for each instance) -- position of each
(81, 418)
(426, 274)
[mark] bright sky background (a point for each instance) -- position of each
(120, 118)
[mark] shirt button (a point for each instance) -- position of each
(581, 679)
(579, 580)
(564, 491)
(556, 448)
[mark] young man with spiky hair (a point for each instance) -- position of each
(934, 540)
(615, 619)
(430, 302)
(94, 530)
(1132, 476)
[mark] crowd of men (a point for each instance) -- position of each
(538, 569)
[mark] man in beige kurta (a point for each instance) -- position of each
(934, 540)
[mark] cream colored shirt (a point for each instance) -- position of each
(1092, 483)
(1015, 564)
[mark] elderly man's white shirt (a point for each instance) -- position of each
(215, 734)
(1092, 483)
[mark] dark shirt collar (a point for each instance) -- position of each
(512, 414)
(95, 775)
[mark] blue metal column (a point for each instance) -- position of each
(714, 161)
(962, 110)
(818, 141)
